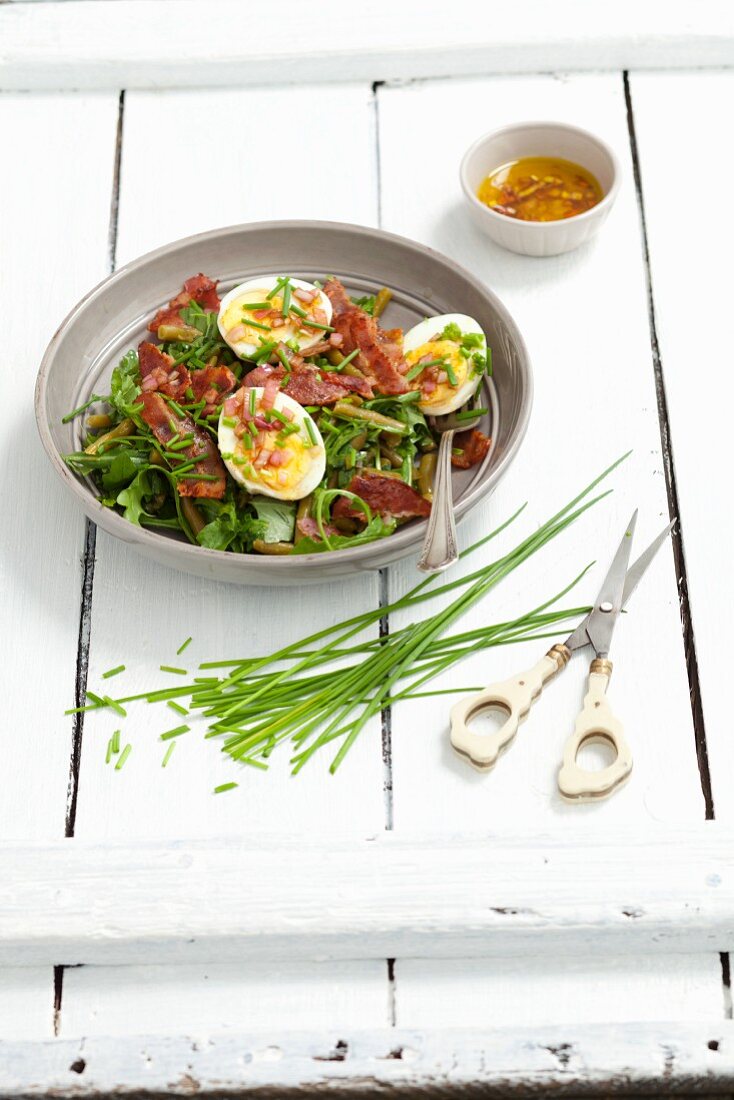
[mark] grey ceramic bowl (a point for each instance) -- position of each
(113, 318)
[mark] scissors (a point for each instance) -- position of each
(595, 723)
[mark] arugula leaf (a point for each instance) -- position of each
(131, 498)
(230, 528)
(377, 528)
(278, 516)
(123, 468)
(367, 303)
(124, 388)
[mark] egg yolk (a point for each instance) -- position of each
(438, 380)
(294, 463)
(244, 324)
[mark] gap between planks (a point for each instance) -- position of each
(689, 640)
(87, 587)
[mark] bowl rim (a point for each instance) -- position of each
(514, 127)
(407, 539)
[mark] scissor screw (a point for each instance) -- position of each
(606, 606)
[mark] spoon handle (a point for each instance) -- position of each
(440, 548)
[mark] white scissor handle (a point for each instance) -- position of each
(595, 723)
(515, 697)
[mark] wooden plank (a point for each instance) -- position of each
(584, 316)
(691, 287)
(47, 264)
(222, 900)
(198, 1000)
(545, 990)
(626, 1060)
(225, 621)
(26, 1003)
(143, 43)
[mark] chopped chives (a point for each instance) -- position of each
(256, 324)
(415, 371)
(174, 439)
(225, 787)
(115, 741)
(115, 706)
(81, 409)
(182, 647)
(169, 751)
(108, 756)
(310, 428)
(175, 671)
(229, 421)
(113, 672)
(278, 286)
(253, 401)
(283, 358)
(249, 306)
(348, 359)
(451, 373)
(175, 732)
(177, 707)
(176, 407)
(470, 414)
(279, 416)
(246, 443)
(123, 757)
(189, 393)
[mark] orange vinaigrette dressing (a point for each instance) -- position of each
(540, 189)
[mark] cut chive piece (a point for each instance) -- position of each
(115, 741)
(108, 757)
(123, 757)
(278, 286)
(225, 787)
(347, 359)
(253, 401)
(256, 324)
(469, 414)
(177, 707)
(182, 647)
(115, 706)
(175, 732)
(169, 750)
(249, 306)
(414, 372)
(113, 672)
(451, 373)
(229, 421)
(311, 431)
(175, 671)
(81, 409)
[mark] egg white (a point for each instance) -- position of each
(446, 398)
(309, 463)
(256, 290)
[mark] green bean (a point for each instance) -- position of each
(99, 420)
(193, 516)
(303, 512)
(184, 334)
(276, 548)
(382, 298)
(392, 456)
(426, 473)
(343, 408)
(125, 427)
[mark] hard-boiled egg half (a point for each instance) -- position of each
(453, 351)
(277, 451)
(273, 308)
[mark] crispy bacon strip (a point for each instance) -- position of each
(309, 386)
(199, 288)
(214, 384)
(380, 356)
(388, 496)
(473, 446)
(164, 424)
(158, 373)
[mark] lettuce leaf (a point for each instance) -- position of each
(124, 388)
(278, 517)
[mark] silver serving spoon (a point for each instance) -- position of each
(440, 546)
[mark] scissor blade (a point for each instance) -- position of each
(636, 572)
(598, 627)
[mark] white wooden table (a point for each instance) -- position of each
(407, 923)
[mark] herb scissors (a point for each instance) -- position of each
(595, 723)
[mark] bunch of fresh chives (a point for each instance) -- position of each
(288, 695)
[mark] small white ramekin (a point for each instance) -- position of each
(539, 139)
